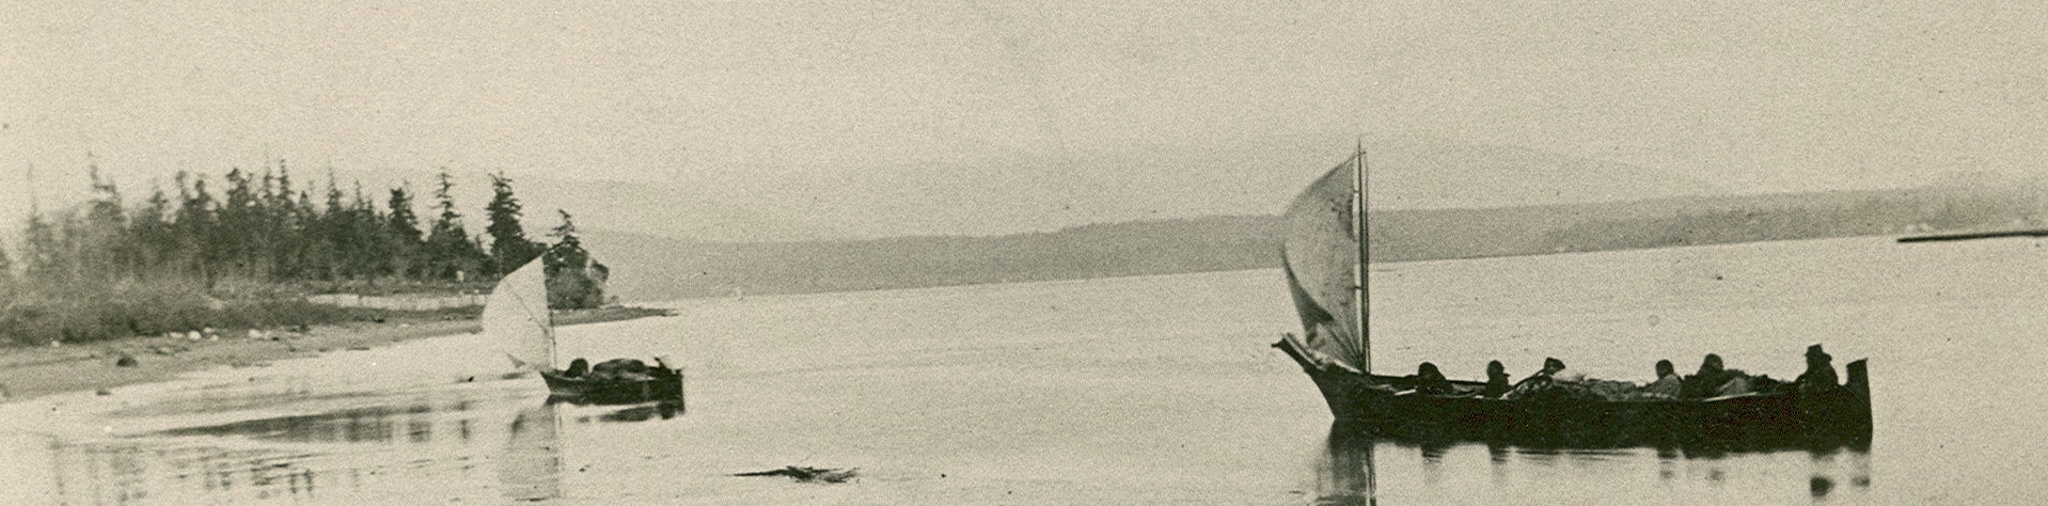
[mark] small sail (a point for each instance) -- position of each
(517, 316)
(1321, 252)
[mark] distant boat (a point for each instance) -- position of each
(517, 314)
(1324, 258)
(1964, 236)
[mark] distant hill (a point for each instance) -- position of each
(812, 201)
(648, 267)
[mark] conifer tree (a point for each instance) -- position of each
(288, 249)
(332, 236)
(402, 229)
(195, 226)
(6, 275)
(154, 239)
(452, 254)
(41, 251)
(365, 234)
(575, 281)
(102, 251)
(509, 246)
(239, 226)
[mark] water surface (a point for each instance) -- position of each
(1153, 390)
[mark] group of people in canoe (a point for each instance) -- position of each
(614, 370)
(1713, 379)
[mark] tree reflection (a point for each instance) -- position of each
(532, 468)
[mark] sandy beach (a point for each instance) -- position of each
(28, 372)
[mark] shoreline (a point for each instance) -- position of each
(31, 372)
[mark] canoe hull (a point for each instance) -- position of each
(1837, 417)
(661, 385)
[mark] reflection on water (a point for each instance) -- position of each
(357, 425)
(1353, 467)
(533, 461)
(1347, 472)
(664, 409)
(1155, 390)
(296, 460)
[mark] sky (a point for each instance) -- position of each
(996, 117)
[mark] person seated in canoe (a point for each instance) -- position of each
(1820, 372)
(1496, 380)
(620, 369)
(1715, 380)
(1562, 373)
(1430, 381)
(1543, 378)
(1668, 383)
(577, 368)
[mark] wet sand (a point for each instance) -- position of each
(29, 372)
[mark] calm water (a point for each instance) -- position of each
(1158, 390)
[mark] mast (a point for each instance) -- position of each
(1359, 274)
(547, 308)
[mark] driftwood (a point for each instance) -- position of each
(809, 474)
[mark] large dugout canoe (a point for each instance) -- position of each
(1325, 253)
(1779, 416)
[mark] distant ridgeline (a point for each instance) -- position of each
(666, 268)
(249, 256)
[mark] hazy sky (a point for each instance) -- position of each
(1012, 115)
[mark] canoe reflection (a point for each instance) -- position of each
(1358, 466)
(664, 409)
(1346, 474)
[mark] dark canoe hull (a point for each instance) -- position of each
(1785, 419)
(662, 385)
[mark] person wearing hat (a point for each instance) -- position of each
(1558, 371)
(1430, 381)
(1539, 380)
(1668, 382)
(1707, 381)
(1820, 372)
(1496, 380)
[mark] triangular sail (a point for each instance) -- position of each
(1322, 252)
(517, 315)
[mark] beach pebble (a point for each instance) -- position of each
(192, 336)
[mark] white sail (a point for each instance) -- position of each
(517, 316)
(1321, 250)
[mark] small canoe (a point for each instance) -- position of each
(660, 384)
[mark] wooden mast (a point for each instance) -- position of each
(1359, 274)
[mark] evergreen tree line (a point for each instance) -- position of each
(265, 228)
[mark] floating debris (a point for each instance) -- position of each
(809, 474)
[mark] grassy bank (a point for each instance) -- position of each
(34, 371)
(94, 314)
